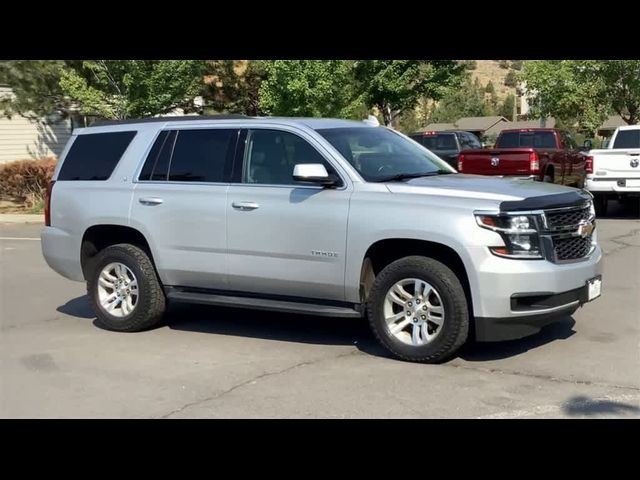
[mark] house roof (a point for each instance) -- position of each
(479, 123)
(438, 127)
(549, 123)
(613, 122)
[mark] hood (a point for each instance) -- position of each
(511, 193)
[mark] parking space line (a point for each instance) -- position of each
(19, 238)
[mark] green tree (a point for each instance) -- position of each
(617, 83)
(106, 88)
(490, 88)
(505, 109)
(565, 90)
(133, 88)
(467, 101)
(511, 80)
(394, 86)
(233, 86)
(36, 87)
(312, 88)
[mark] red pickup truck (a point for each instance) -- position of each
(544, 154)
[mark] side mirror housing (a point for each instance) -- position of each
(588, 144)
(314, 173)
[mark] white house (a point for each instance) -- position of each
(23, 138)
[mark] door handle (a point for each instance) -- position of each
(245, 206)
(150, 201)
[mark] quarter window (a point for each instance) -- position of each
(94, 156)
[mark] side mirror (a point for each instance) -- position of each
(588, 144)
(314, 173)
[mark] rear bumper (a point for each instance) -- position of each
(617, 186)
(61, 251)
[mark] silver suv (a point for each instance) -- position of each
(314, 216)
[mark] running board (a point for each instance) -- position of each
(262, 304)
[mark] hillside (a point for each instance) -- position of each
(490, 71)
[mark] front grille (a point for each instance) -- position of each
(562, 235)
(572, 248)
(568, 218)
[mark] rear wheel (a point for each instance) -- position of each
(418, 311)
(124, 289)
(548, 177)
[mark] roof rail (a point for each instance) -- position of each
(184, 118)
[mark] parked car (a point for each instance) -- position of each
(314, 216)
(545, 154)
(614, 172)
(447, 144)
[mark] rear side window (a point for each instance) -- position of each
(526, 140)
(627, 139)
(156, 166)
(469, 140)
(94, 156)
(201, 155)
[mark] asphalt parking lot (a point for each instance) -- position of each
(215, 362)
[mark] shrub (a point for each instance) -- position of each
(511, 80)
(25, 181)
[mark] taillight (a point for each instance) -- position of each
(460, 161)
(588, 164)
(534, 162)
(47, 204)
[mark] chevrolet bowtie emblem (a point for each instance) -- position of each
(585, 229)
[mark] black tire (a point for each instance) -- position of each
(548, 176)
(600, 203)
(151, 302)
(455, 328)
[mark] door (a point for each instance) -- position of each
(285, 238)
(180, 202)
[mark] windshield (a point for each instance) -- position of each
(379, 153)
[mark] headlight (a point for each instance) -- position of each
(519, 232)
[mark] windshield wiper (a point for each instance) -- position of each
(406, 176)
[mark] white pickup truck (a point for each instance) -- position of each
(614, 172)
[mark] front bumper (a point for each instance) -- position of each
(497, 281)
(554, 307)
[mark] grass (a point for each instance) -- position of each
(10, 206)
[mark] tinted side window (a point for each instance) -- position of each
(201, 155)
(271, 155)
(469, 140)
(627, 139)
(95, 156)
(152, 158)
(508, 140)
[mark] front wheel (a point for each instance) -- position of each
(124, 289)
(418, 311)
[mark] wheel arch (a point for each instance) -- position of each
(384, 251)
(98, 237)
